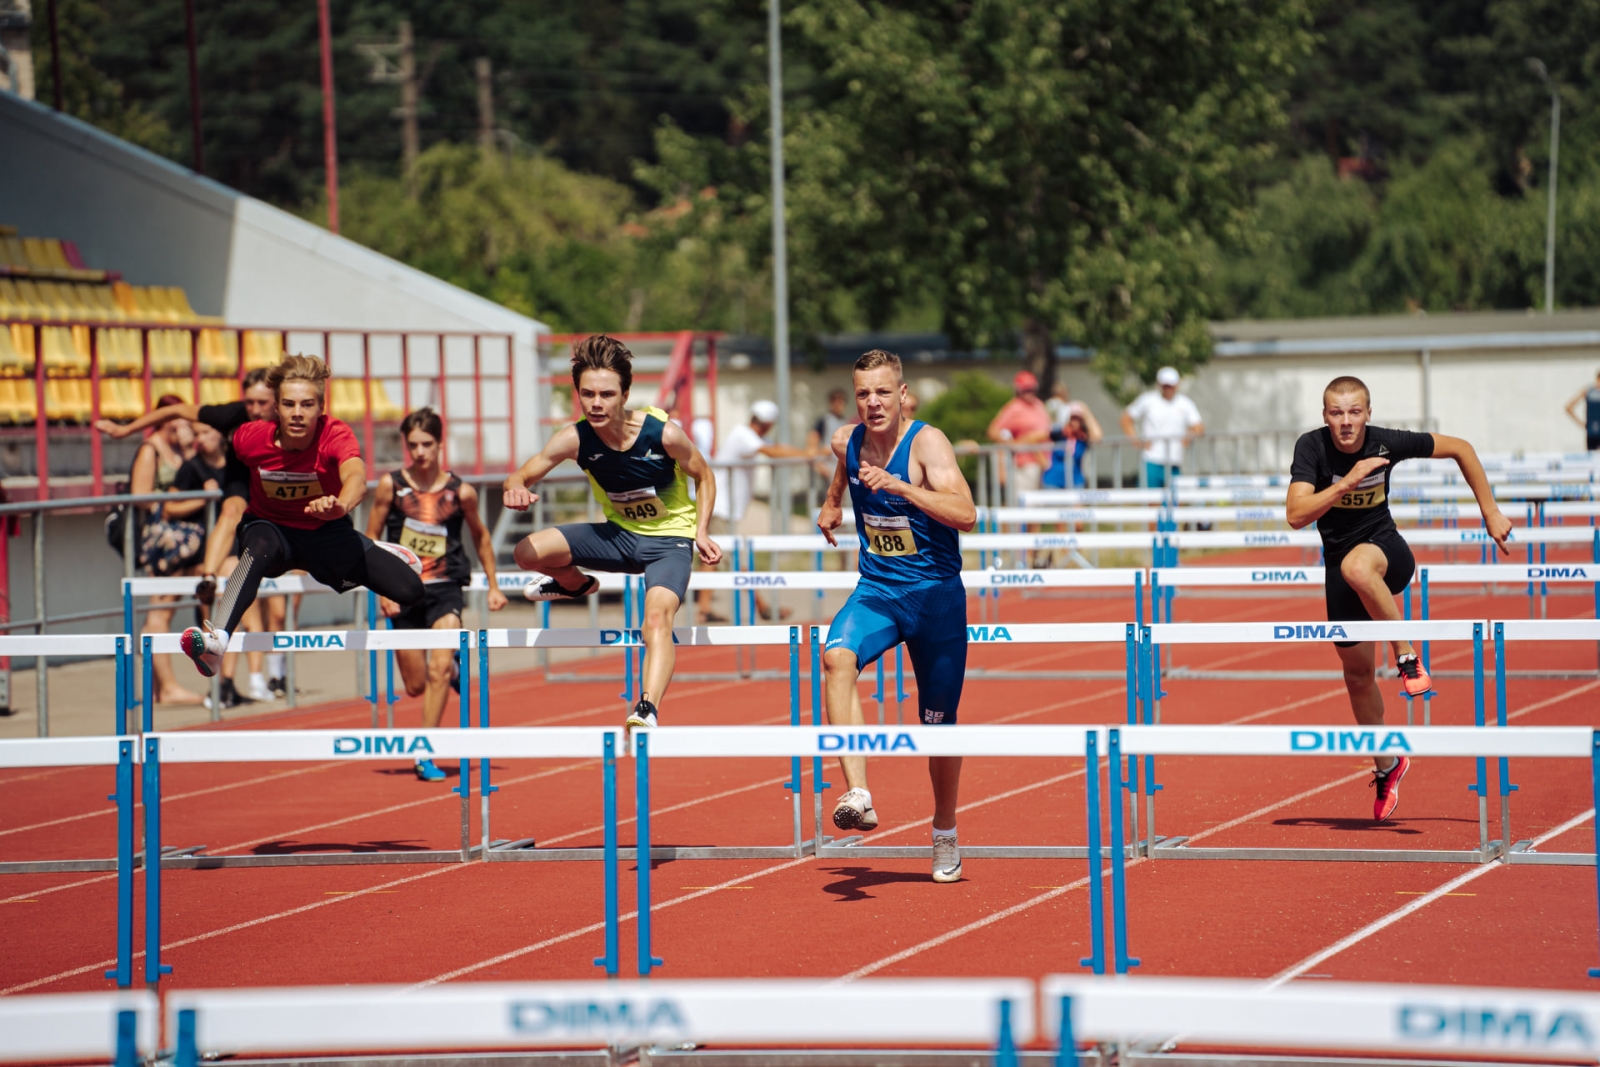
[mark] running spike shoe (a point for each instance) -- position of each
(644, 714)
(1417, 681)
(1387, 784)
(855, 812)
(547, 588)
(428, 772)
(946, 858)
(404, 554)
(204, 644)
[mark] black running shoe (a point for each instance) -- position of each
(644, 714)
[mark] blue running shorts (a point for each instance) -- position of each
(931, 618)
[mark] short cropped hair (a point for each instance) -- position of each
(298, 369)
(1346, 383)
(600, 352)
(256, 377)
(879, 358)
(425, 419)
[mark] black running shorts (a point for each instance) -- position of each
(438, 600)
(1344, 603)
(605, 546)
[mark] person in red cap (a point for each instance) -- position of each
(1024, 419)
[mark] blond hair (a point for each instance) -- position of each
(299, 369)
(879, 358)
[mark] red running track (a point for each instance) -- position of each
(1492, 925)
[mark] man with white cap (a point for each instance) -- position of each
(1164, 421)
(743, 444)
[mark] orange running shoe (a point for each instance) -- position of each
(1417, 681)
(1388, 786)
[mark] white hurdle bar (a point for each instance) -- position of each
(1339, 741)
(993, 1013)
(122, 1028)
(1413, 1020)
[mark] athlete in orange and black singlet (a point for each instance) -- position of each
(423, 507)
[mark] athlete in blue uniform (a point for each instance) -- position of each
(909, 499)
(1590, 420)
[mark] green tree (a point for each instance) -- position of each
(87, 91)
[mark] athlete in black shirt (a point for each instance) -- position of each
(1340, 481)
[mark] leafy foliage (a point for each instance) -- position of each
(964, 411)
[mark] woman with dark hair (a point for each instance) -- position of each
(423, 508)
(306, 476)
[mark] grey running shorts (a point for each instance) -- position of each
(604, 546)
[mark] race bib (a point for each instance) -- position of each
(1368, 493)
(426, 539)
(889, 535)
(639, 505)
(291, 485)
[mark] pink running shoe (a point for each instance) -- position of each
(1388, 786)
(205, 645)
(1417, 681)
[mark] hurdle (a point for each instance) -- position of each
(819, 742)
(1522, 852)
(1153, 637)
(1281, 741)
(1416, 1020)
(603, 1017)
(122, 1029)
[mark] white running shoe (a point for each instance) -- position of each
(946, 858)
(205, 645)
(855, 812)
(259, 690)
(547, 588)
(644, 715)
(404, 554)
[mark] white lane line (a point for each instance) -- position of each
(1395, 916)
(168, 946)
(1519, 713)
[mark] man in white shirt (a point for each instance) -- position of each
(1164, 421)
(743, 444)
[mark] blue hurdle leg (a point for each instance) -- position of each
(1119, 858)
(153, 967)
(149, 715)
(1097, 917)
(641, 800)
(627, 652)
(372, 657)
(127, 1039)
(794, 783)
(1066, 1042)
(609, 795)
(484, 788)
(122, 974)
(1005, 1047)
(1594, 781)
(1481, 786)
(188, 1055)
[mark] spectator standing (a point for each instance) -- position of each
(1590, 419)
(1024, 419)
(1164, 421)
(819, 438)
(734, 484)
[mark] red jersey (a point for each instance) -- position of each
(282, 483)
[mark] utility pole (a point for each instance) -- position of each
(1538, 68)
(485, 73)
(404, 74)
(194, 88)
(780, 266)
(330, 141)
(55, 56)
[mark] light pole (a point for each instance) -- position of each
(780, 266)
(1538, 67)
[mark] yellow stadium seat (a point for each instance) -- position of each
(262, 348)
(119, 351)
(18, 405)
(22, 338)
(66, 349)
(45, 253)
(121, 398)
(169, 352)
(36, 303)
(66, 399)
(12, 254)
(101, 304)
(219, 390)
(11, 305)
(122, 293)
(183, 387)
(219, 353)
(178, 300)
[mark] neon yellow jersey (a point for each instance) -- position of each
(642, 490)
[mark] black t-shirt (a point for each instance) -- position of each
(226, 418)
(194, 474)
(1363, 512)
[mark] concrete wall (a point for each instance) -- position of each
(160, 224)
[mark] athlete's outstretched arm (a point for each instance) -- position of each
(484, 542)
(944, 494)
(1466, 457)
(158, 417)
(677, 444)
(382, 501)
(352, 491)
(561, 447)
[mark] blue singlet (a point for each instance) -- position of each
(910, 587)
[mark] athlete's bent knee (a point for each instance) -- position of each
(1357, 570)
(417, 688)
(525, 555)
(839, 659)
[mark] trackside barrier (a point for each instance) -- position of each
(995, 1013)
(118, 1028)
(1535, 630)
(1153, 638)
(819, 742)
(1400, 491)
(1341, 741)
(1419, 1020)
